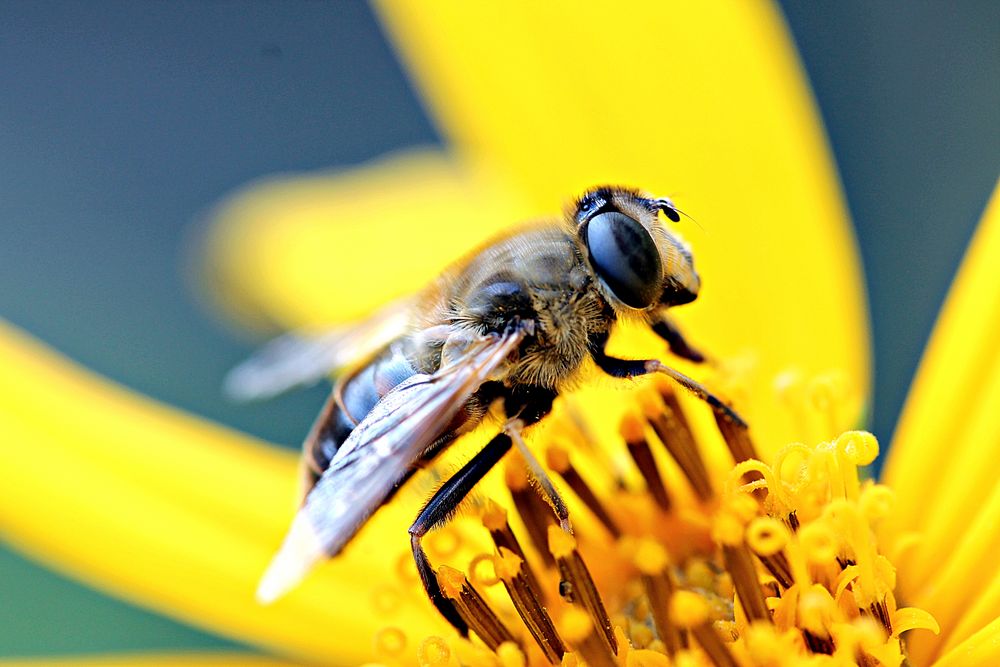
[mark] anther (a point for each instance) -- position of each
(651, 559)
(534, 511)
(578, 629)
(443, 542)
(509, 567)
(880, 611)
(767, 538)
(389, 643)
(737, 436)
(819, 543)
(583, 591)
(433, 652)
(478, 575)
(473, 608)
(739, 564)
(666, 417)
(816, 613)
(511, 655)
(559, 462)
(495, 521)
(688, 610)
(777, 565)
(638, 448)
(386, 599)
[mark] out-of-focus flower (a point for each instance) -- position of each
(536, 102)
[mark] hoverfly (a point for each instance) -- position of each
(509, 326)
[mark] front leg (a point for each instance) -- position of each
(664, 327)
(630, 368)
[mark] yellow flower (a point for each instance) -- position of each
(538, 101)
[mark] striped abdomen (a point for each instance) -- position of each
(352, 399)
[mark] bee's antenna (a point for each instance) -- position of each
(697, 224)
(670, 210)
(666, 204)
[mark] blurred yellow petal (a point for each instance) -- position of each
(982, 648)
(153, 660)
(170, 512)
(957, 580)
(980, 613)
(310, 250)
(540, 100)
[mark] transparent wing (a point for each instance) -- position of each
(297, 359)
(377, 456)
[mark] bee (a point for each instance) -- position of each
(508, 328)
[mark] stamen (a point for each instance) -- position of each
(663, 411)
(534, 512)
(511, 655)
(476, 573)
(826, 393)
(389, 643)
(558, 461)
(816, 612)
(688, 610)
(509, 568)
(578, 628)
(433, 652)
(495, 520)
(444, 542)
(638, 448)
(652, 561)
(807, 517)
(737, 436)
(777, 565)
(386, 599)
(767, 537)
(880, 611)
(739, 564)
(582, 590)
(473, 608)
(818, 543)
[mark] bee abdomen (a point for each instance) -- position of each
(352, 399)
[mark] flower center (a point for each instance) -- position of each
(675, 561)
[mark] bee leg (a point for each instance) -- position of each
(667, 329)
(527, 405)
(536, 470)
(696, 388)
(629, 368)
(440, 508)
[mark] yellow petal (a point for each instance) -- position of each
(942, 463)
(957, 583)
(171, 513)
(982, 648)
(941, 452)
(540, 100)
(153, 660)
(911, 618)
(979, 614)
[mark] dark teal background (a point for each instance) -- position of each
(122, 122)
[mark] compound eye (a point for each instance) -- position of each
(624, 256)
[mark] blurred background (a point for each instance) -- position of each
(122, 123)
